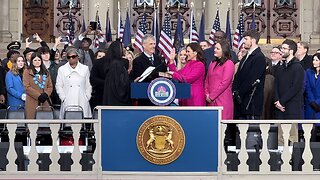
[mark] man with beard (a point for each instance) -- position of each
(250, 76)
(248, 89)
(289, 83)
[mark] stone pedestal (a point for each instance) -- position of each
(5, 35)
(315, 35)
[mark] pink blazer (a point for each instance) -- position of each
(218, 86)
(193, 73)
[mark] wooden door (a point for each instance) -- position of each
(38, 18)
(275, 19)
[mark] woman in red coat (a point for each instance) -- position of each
(193, 73)
(218, 84)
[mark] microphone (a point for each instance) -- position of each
(256, 82)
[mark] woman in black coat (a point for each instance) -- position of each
(116, 84)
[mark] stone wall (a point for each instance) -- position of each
(11, 16)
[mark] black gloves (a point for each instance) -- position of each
(236, 97)
(315, 106)
(43, 97)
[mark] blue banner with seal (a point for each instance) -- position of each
(160, 139)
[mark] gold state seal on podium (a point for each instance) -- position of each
(160, 140)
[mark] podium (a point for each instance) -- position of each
(139, 90)
(159, 92)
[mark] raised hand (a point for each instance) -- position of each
(28, 43)
(172, 55)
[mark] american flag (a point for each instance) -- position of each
(215, 28)
(96, 38)
(126, 39)
(83, 27)
(70, 30)
(201, 29)
(237, 39)
(120, 28)
(98, 21)
(108, 35)
(142, 30)
(194, 36)
(165, 41)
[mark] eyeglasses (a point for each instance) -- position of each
(285, 48)
(272, 52)
(73, 56)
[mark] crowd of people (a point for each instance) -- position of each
(247, 84)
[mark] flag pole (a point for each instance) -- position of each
(191, 20)
(70, 18)
(119, 20)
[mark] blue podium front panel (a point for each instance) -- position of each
(120, 127)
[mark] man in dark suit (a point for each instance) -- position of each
(146, 59)
(288, 89)
(302, 55)
(250, 75)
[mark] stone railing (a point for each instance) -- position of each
(284, 159)
(39, 159)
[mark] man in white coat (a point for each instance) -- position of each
(73, 84)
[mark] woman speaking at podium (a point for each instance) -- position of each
(193, 73)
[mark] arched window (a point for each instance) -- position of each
(249, 2)
(285, 2)
(148, 2)
(172, 2)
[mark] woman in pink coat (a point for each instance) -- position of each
(219, 80)
(193, 73)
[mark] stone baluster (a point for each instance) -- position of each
(54, 156)
(223, 152)
(243, 155)
(76, 155)
(286, 154)
(307, 155)
(11, 156)
(33, 155)
(264, 156)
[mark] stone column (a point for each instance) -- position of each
(315, 36)
(5, 35)
(211, 11)
(210, 14)
(103, 7)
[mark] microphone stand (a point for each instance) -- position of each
(251, 96)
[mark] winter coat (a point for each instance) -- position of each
(74, 88)
(193, 73)
(33, 91)
(15, 90)
(218, 86)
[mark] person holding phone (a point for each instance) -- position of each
(83, 43)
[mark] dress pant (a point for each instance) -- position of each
(293, 137)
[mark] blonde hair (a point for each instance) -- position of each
(179, 64)
(14, 68)
(131, 53)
